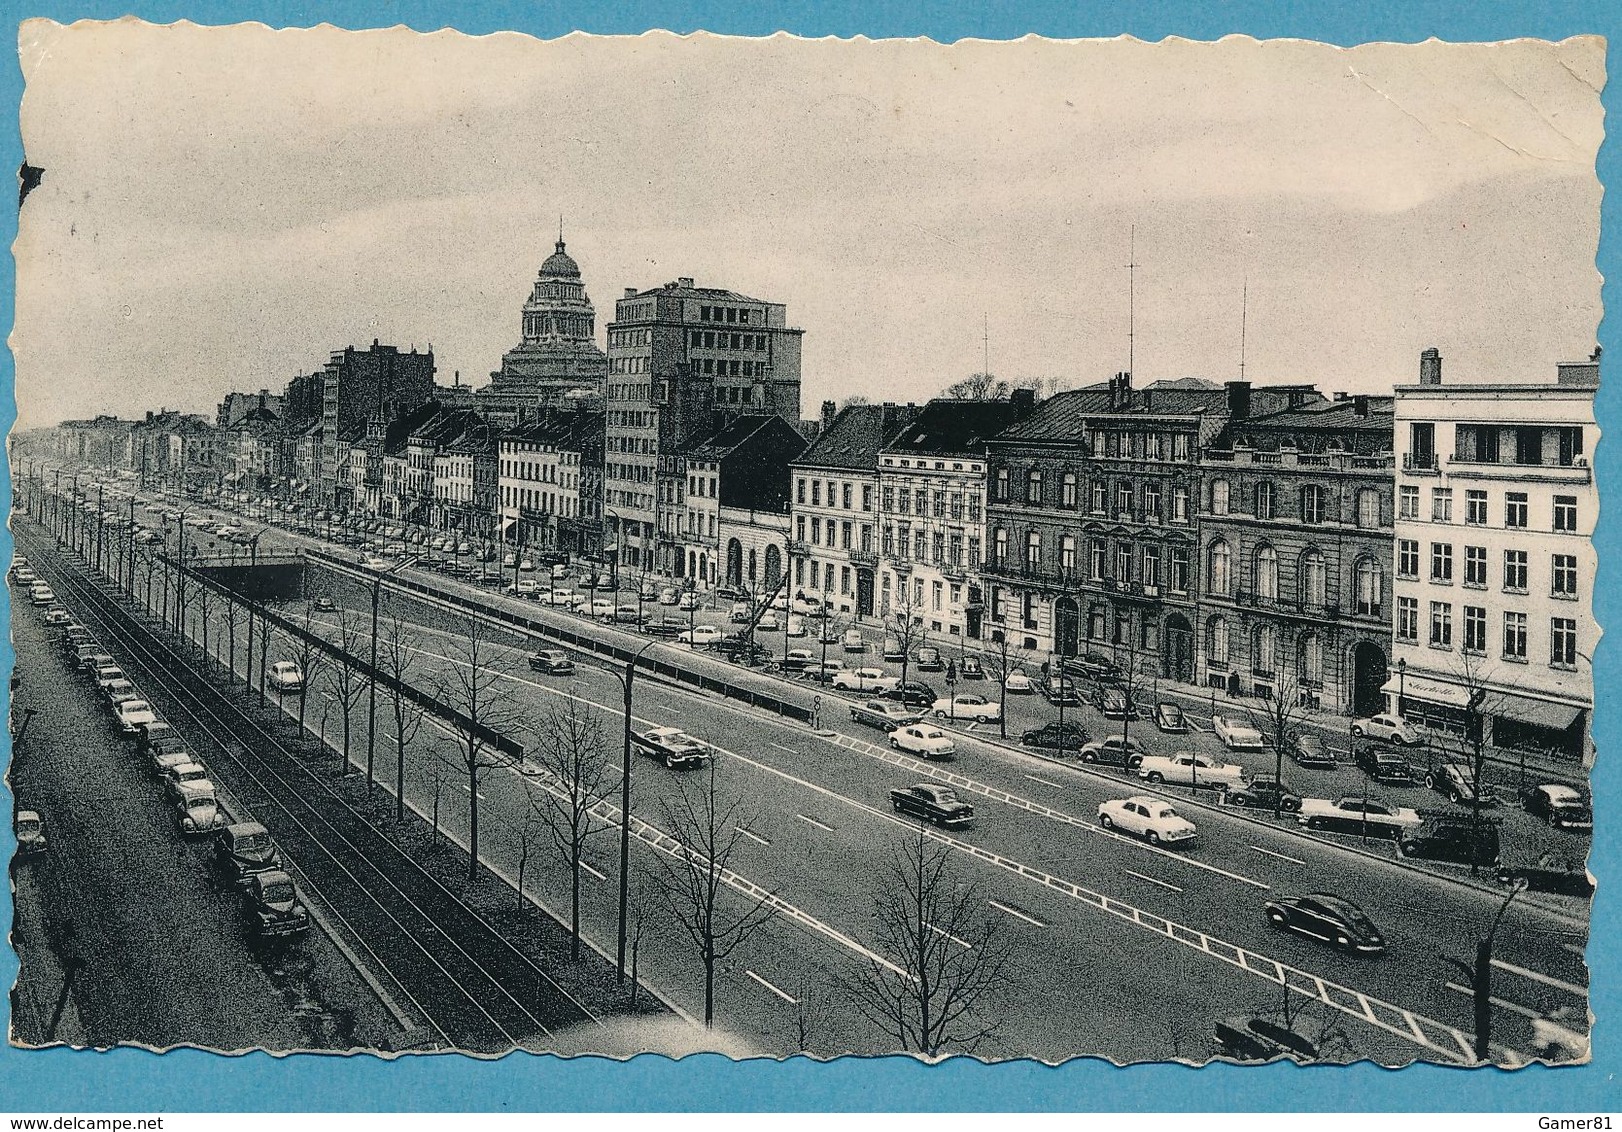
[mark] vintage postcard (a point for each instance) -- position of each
(665, 543)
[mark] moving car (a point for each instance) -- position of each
(967, 706)
(933, 803)
(1169, 718)
(1152, 819)
(272, 908)
(197, 810)
(1388, 728)
(1113, 750)
(673, 746)
(29, 828)
(922, 739)
(886, 715)
(243, 850)
(553, 662)
(929, 660)
(1095, 666)
(1237, 736)
(699, 635)
(1457, 783)
(1309, 750)
(1562, 806)
(1263, 792)
(853, 642)
(1186, 768)
(1386, 766)
(1356, 814)
(132, 714)
(1449, 838)
(1053, 736)
(1325, 916)
(1018, 683)
(865, 680)
(285, 676)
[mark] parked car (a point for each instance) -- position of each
(1112, 750)
(243, 850)
(1094, 666)
(1330, 918)
(1185, 768)
(828, 633)
(1552, 872)
(1449, 838)
(1356, 814)
(179, 776)
(118, 691)
(893, 651)
(798, 660)
(1385, 766)
(56, 616)
(1563, 807)
(1113, 702)
(553, 662)
(928, 659)
(1264, 792)
(1388, 728)
(1018, 684)
(1309, 750)
(132, 714)
(769, 623)
(107, 674)
(742, 648)
(324, 605)
(1061, 692)
(629, 614)
(865, 680)
(700, 635)
(674, 747)
(933, 803)
(1169, 718)
(1054, 736)
(285, 676)
(197, 810)
(670, 595)
(1457, 783)
(915, 694)
(157, 735)
(41, 594)
(1237, 736)
(1152, 819)
(29, 829)
(795, 626)
(741, 612)
(272, 908)
(852, 641)
(922, 739)
(823, 671)
(969, 707)
(93, 661)
(971, 669)
(886, 715)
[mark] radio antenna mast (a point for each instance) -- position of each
(1244, 314)
(1131, 297)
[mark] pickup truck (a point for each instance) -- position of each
(1188, 769)
(933, 803)
(677, 749)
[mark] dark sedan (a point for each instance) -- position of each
(1264, 794)
(1563, 807)
(914, 694)
(1053, 736)
(1095, 665)
(932, 803)
(1170, 718)
(1386, 766)
(1309, 750)
(1333, 919)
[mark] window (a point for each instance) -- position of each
(844, 535)
(1123, 498)
(1033, 550)
(816, 533)
(1100, 559)
(1408, 501)
(1313, 503)
(1263, 650)
(957, 506)
(1407, 558)
(956, 551)
(1314, 579)
(1441, 625)
(799, 490)
(1179, 504)
(888, 498)
(1370, 587)
(1563, 575)
(1310, 663)
(1475, 508)
(1000, 544)
(1475, 567)
(1563, 642)
(1179, 569)
(1264, 573)
(1441, 562)
(1123, 562)
(1515, 571)
(1067, 553)
(1219, 497)
(1151, 565)
(939, 505)
(937, 545)
(1151, 499)
(1529, 446)
(1475, 629)
(1407, 619)
(935, 596)
(920, 502)
(918, 548)
(974, 508)
(816, 493)
(889, 540)
(1033, 486)
(1067, 493)
(1002, 485)
(844, 497)
(974, 548)
(903, 502)
(844, 579)
(1515, 509)
(1264, 501)
(1565, 512)
(1220, 569)
(1441, 504)
(1216, 641)
(1514, 636)
(1421, 445)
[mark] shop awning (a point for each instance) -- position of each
(1428, 691)
(1536, 713)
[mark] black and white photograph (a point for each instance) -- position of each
(665, 543)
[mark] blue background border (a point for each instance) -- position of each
(130, 1080)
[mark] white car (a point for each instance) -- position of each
(670, 595)
(523, 587)
(1149, 818)
(688, 601)
(132, 714)
(285, 676)
(372, 562)
(1018, 683)
(769, 623)
(865, 680)
(1392, 728)
(41, 594)
(922, 739)
(557, 597)
(594, 607)
(1188, 769)
(700, 635)
(1237, 736)
(967, 706)
(1357, 815)
(796, 625)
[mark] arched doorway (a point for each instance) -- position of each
(774, 567)
(1369, 672)
(1177, 660)
(734, 562)
(1066, 627)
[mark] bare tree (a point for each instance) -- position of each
(233, 618)
(708, 829)
(396, 658)
(472, 684)
(344, 682)
(1280, 719)
(311, 660)
(1003, 661)
(976, 387)
(529, 832)
(902, 621)
(573, 759)
(944, 959)
(205, 593)
(1483, 702)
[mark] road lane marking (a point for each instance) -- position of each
(815, 822)
(1015, 912)
(1540, 977)
(780, 747)
(752, 836)
(592, 871)
(1576, 949)
(963, 943)
(1152, 880)
(463, 785)
(1502, 1004)
(1045, 782)
(1280, 856)
(782, 994)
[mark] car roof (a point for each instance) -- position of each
(246, 829)
(1559, 790)
(27, 815)
(270, 877)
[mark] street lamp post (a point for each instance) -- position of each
(1402, 687)
(625, 811)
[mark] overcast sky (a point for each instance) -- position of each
(221, 208)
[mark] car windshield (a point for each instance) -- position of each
(253, 843)
(281, 892)
(201, 801)
(945, 794)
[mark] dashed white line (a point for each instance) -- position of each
(1540, 977)
(780, 993)
(815, 822)
(1045, 782)
(1280, 856)
(1016, 913)
(963, 943)
(463, 785)
(752, 836)
(1152, 880)
(1502, 1004)
(780, 747)
(1576, 949)
(592, 871)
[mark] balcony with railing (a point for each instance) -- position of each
(864, 558)
(1575, 472)
(1286, 458)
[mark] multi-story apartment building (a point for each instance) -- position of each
(680, 357)
(1295, 524)
(542, 490)
(835, 544)
(1494, 561)
(358, 385)
(466, 483)
(743, 467)
(931, 492)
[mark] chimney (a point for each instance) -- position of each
(1342, 395)
(1239, 400)
(1148, 400)
(1360, 405)
(829, 410)
(1430, 367)
(630, 292)
(685, 281)
(1023, 402)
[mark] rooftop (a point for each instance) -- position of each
(855, 437)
